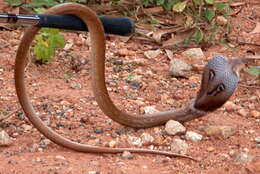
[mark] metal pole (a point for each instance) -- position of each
(19, 19)
(112, 25)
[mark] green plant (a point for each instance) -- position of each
(47, 43)
(254, 70)
(68, 75)
(49, 40)
(130, 77)
(32, 5)
(208, 19)
(15, 2)
(35, 4)
(166, 4)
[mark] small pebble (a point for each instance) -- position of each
(232, 152)
(112, 144)
(242, 112)
(93, 172)
(127, 155)
(117, 61)
(94, 163)
(219, 131)
(26, 127)
(245, 149)
(221, 20)
(34, 148)
(5, 139)
(38, 160)
(193, 136)
(75, 85)
(243, 158)
(194, 53)
(210, 149)
(45, 142)
(255, 114)
(152, 54)
(135, 84)
(179, 68)
(174, 128)
(60, 157)
(230, 106)
(126, 52)
(98, 131)
(136, 141)
(179, 146)
(147, 139)
(150, 110)
(257, 139)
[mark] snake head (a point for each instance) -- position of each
(219, 81)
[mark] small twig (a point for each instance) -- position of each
(248, 43)
(9, 115)
(237, 4)
(247, 86)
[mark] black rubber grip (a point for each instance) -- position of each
(118, 25)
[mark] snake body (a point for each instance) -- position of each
(217, 86)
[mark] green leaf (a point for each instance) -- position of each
(209, 1)
(47, 42)
(14, 2)
(68, 75)
(160, 2)
(39, 10)
(169, 4)
(179, 7)
(130, 77)
(209, 14)
(222, 8)
(147, 3)
(40, 3)
(198, 36)
(254, 70)
(197, 2)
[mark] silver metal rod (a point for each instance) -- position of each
(19, 19)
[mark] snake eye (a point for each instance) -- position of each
(211, 74)
(218, 89)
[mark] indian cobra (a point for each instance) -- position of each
(219, 81)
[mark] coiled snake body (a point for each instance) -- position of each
(218, 84)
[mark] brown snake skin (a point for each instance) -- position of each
(194, 109)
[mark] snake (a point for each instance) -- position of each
(219, 80)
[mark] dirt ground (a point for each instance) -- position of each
(64, 100)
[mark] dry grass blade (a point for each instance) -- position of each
(4, 117)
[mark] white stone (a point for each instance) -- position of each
(193, 136)
(174, 128)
